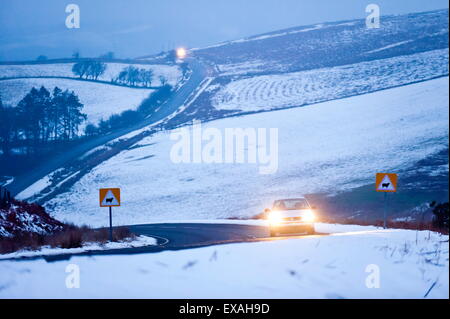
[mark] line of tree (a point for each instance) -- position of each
(130, 75)
(40, 117)
(89, 69)
(134, 76)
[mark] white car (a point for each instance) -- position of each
(291, 215)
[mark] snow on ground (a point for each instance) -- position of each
(393, 45)
(327, 147)
(341, 265)
(100, 100)
(36, 187)
(170, 72)
(306, 87)
(139, 241)
(267, 36)
(242, 68)
(6, 180)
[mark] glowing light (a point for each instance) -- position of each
(181, 53)
(275, 218)
(308, 216)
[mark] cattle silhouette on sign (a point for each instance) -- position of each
(386, 182)
(109, 197)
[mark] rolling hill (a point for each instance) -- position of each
(330, 44)
(372, 99)
(328, 147)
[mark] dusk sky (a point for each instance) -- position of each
(134, 28)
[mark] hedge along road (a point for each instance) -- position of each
(22, 181)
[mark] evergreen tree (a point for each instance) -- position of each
(55, 111)
(7, 127)
(30, 118)
(44, 102)
(76, 117)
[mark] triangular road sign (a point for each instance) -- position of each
(109, 197)
(386, 182)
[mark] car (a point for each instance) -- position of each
(294, 215)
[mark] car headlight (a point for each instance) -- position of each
(274, 218)
(308, 216)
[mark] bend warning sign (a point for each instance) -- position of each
(109, 197)
(386, 182)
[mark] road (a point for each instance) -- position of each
(191, 235)
(21, 182)
(177, 236)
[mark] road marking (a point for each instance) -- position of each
(166, 241)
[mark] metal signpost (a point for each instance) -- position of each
(110, 197)
(386, 183)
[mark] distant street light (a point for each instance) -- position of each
(181, 53)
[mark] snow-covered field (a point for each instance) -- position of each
(170, 72)
(326, 147)
(351, 262)
(299, 88)
(100, 100)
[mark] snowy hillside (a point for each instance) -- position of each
(330, 44)
(170, 72)
(326, 147)
(351, 262)
(294, 89)
(322, 62)
(100, 100)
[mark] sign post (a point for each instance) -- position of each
(386, 183)
(110, 224)
(110, 197)
(384, 210)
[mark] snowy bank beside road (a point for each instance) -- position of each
(335, 266)
(139, 241)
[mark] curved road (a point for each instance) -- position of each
(199, 73)
(177, 236)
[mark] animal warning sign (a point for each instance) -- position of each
(109, 197)
(386, 182)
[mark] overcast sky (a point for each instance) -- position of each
(131, 28)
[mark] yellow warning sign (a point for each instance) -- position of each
(386, 182)
(109, 197)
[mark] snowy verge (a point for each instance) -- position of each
(139, 241)
(363, 264)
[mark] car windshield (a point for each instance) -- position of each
(291, 204)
